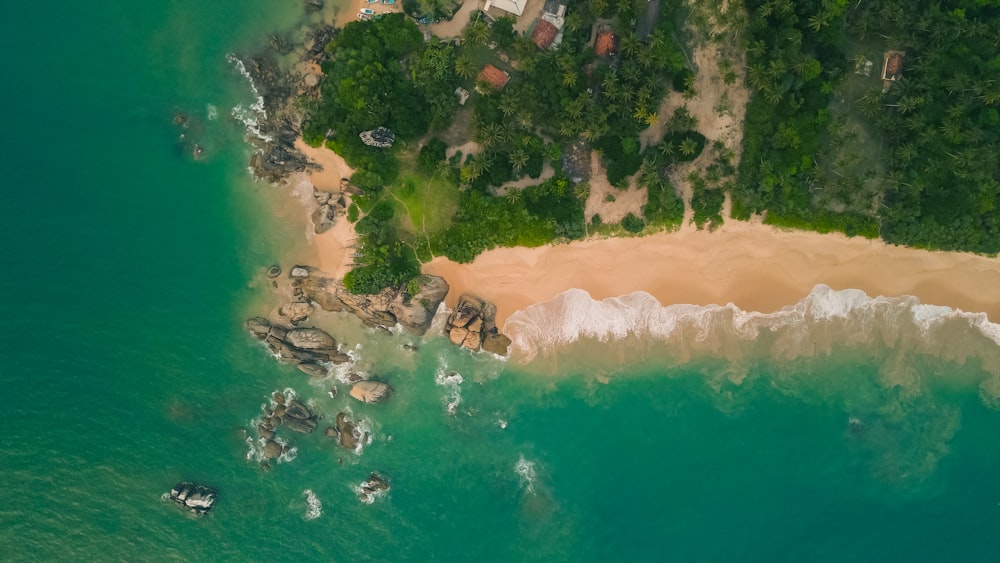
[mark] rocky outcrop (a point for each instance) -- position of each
(472, 326)
(198, 499)
(299, 418)
(346, 432)
(297, 345)
(371, 391)
(374, 487)
(385, 309)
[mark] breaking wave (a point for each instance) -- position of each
(452, 382)
(314, 508)
(526, 474)
(824, 320)
(250, 116)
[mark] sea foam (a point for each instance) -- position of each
(250, 115)
(314, 508)
(823, 321)
(526, 474)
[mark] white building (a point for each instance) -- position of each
(515, 7)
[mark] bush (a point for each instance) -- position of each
(431, 155)
(633, 224)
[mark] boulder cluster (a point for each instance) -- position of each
(198, 499)
(385, 309)
(292, 414)
(329, 206)
(306, 347)
(369, 490)
(472, 326)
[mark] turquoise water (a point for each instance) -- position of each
(130, 267)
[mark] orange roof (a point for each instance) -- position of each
(493, 76)
(544, 34)
(607, 44)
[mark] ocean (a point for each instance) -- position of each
(842, 429)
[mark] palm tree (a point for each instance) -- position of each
(688, 146)
(582, 191)
(518, 158)
(574, 21)
(476, 33)
(524, 118)
(508, 104)
(630, 44)
(569, 78)
(513, 195)
(464, 67)
(667, 149)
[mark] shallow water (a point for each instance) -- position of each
(130, 268)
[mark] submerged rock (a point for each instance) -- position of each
(371, 391)
(271, 449)
(313, 369)
(199, 499)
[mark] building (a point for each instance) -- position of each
(606, 44)
(515, 7)
(544, 34)
(892, 68)
(492, 76)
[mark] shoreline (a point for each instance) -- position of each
(331, 246)
(754, 266)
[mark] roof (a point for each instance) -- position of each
(892, 68)
(544, 34)
(555, 7)
(607, 44)
(493, 76)
(515, 7)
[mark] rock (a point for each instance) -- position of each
(259, 327)
(347, 432)
(265, 432)
(295, 409)
(297, 425)
(311, 80)
(296, 312)
(278, 398)
(310, 339)
(313, 370)
(497, 344)
(355, 377)
(457, 335)
(472, 341)
(324, 218)
(384, 309)
(271, 449)
(330, 432)
(199, 499)
(299, 272)
(321, 197)
(371, 391)
(313, 5)
(410, 348)
(415, 312)
(369, 490)
(279, 411)
(274, 271)
(476, 325)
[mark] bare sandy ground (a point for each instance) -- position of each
(453, 28)
(625, 201)
(753, 266)
(334, 246)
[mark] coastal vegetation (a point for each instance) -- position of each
(912, 158)
(829, 144)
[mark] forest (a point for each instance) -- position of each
(913, 160)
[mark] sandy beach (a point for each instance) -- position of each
(332, 246)
(754, 266)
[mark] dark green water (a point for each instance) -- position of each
(125, 369)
